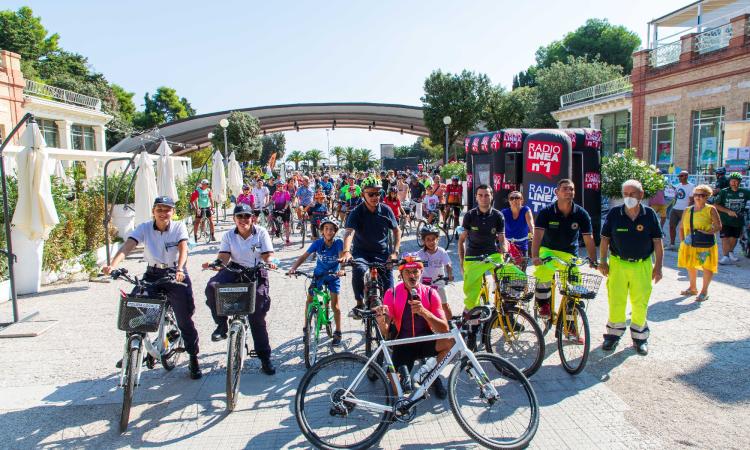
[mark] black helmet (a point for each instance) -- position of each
(429, 229)
(721, 171)
(330, 220)
(393, 189)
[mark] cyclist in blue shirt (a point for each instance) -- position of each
(326, 185)
(304, 196)
(328, 250)
(317, 212)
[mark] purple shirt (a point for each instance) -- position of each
(280, 199)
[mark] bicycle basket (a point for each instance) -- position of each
(235, 298)
(579, 285)
(517, 287)
(139, 314)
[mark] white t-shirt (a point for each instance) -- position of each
(246, 252)
(160, 247)
(434, 263)
(431, 202)
(682, 194)
(260, 195)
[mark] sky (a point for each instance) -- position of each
(236, 54)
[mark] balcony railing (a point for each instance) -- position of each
(666, 54)
(612, 87)
(713, 39)
(63, 95)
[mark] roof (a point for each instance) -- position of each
(711, 10)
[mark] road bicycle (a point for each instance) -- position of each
(512, 331)
(204, 227)
(348, 401)
(145, 310)
(275, 223)
(373, 297)
(570, 321)
(236, 301)
(408, 221)
(262, 216)
(318, 315)
(448, 234)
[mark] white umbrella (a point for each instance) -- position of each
(219, 179)
(35, 214)
(182, 174)
(165, 172)
(11, 168)
(145, 188)
(59, 172)
(235, 175)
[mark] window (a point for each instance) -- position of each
(706, 142)
(82, 137)
(615, 132)
(583, 122)
(746, 112)
(662, 141)
(49, 131)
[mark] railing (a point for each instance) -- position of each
(613, 87)
(666, 54)
(713, 39)
(64, 95)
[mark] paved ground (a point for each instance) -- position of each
(59, 389)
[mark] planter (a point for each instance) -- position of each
(74, 267)
(123, 218)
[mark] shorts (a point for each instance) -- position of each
(257, 211)
(728, 231)
(661, 210)
(674, 217)
(332, 283)
(456, 209)
(203, 211)
(405, 355)
(285, 214)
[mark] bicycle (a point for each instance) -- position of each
(140, 314)
(570, 321)
(512, 331)
(333, 398)
(373, 297)
(236, 301)
(204, 227)
(406, 221)
(448, 234)
(318, 316)
(744, 239)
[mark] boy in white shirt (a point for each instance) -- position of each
(431, 202)
(436, 263)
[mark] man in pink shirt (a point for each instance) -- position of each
(412, 309)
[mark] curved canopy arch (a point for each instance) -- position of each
(302, 116)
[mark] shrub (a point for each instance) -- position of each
(624, 166)
(454, 168)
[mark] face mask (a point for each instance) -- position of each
(630, 202)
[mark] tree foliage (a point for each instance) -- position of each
(514, 109)
(243, 136)
(163, 107)
(620, 167)
(338, 153)
(296, 157)
(314, 156)
(22, 33)
(272, 143)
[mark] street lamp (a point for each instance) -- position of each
(224, 123)
(446, 121)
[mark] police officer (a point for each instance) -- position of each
(632, 234)
(245, 246)
(165, 252)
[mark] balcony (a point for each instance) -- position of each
(665, 55)
(74, 98)
(607, 89)
(713, 39)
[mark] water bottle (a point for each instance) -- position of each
(424, 370)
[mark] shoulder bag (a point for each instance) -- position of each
(699, 239)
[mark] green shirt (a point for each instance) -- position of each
(348, 195)
(734, 201)
(203, 200)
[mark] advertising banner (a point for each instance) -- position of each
(547, 156)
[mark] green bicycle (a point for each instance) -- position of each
(318, 316)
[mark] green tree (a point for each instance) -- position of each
(22, 33)
(200, 157)
(514, 109)
(364, 158)
(243, 136)
(296, 157)
(461, 96)
(314, 156)
(338, 153)
(561, 78)
(432, 151)
(272, 143)
(525, 78)
(163, 107)
(350, 156)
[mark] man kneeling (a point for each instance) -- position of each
(411, 309)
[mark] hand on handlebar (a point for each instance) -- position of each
(346, 257)
(291, 272)
(107, 269)
(179, 276)
(537, 261)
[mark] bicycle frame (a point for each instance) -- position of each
(459, 349)
(155, 348)
(320, 301)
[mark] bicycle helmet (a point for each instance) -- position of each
(393, 189)
(455, 178)
(721, 171)
(411, 262)
(330, 220)
(279, 182)
(429, 229)
(370, 182)
(735, 176)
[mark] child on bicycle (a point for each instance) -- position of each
(430, 205)
(328, 250)
(437, 263)
(394, 203)
(317, 211)
(282, 201)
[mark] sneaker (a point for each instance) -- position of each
(733, 258)
(544, 310)
(439, 389)
(573, 335)
(195, 370)
(267, 366)
(354, 313)
(336, 338)
(724, 260)
(219, 334)
(403, 373)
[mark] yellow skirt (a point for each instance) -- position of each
(698, 258)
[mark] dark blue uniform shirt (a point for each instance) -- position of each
(371, 231)
(482, 229)
(631, 240)
(561, 232)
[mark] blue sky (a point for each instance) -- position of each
(234, 54)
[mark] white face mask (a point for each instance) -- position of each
(630, 202)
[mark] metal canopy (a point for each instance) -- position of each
(708, 10)
(277, 118)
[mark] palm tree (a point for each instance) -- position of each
(296, 157)
(350, 156)
(364, 159)
(338, 153)
(314, 156)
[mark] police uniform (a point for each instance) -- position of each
(161, 255)
(631, 244)
(246, 253)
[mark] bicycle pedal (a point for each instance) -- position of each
(252, 353)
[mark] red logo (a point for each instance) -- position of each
(592, 180)
(466, 145)
(469, 180)
(485, 141)
(475, 145)
(572, 137)
(498, 179)
(593, 138)
(512, 139)
(544, 158)
(495, 141)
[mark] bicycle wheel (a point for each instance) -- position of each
(573, 339)
(312, 336)
(448, 232)
(326, 419)
(517, 337)
(235, 347)
(420, 241)
(303, 231)
(510, 420)
(173, 340)
(329, 316)
(370, 337)
(131, 370)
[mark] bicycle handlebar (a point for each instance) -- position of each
(135, 281)
(574, 262)
(313, 276)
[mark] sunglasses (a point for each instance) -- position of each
(515, 198)
(243, 216)
(700, 195)
(372, 194)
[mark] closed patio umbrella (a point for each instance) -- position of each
(165, 173)
(11, 168)
(219, 179)
(59, 172)
(235, 175)
(145, 188)
(35, 214)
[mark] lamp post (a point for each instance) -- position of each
(224, 123)
(446, 121)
